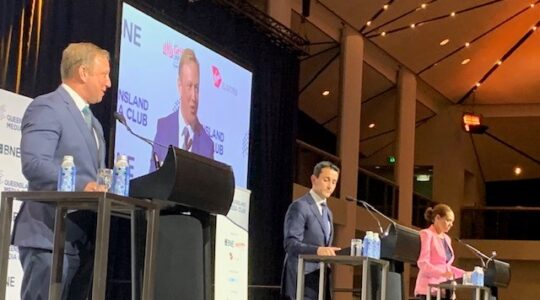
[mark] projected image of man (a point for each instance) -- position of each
(182, 128)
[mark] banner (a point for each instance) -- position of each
(12, 107)
(231, 261)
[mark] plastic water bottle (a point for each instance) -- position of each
(67, 175)
(376, 246)
(121, 176)
(477, 276)
(367, 249)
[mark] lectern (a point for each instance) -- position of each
(202, 188)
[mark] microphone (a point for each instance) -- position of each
(120, 118)
(479, 254)
(369, 209)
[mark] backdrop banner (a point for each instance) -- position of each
(12, 107)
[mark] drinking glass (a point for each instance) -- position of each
(104, 178)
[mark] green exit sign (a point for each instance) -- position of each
(391, 159)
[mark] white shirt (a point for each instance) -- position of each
(181, 125)
(318, 200)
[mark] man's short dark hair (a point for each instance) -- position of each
(324, 164)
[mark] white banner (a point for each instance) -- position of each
(231, 261)
(12, 107)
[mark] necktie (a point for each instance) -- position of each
(326, 222)
(187, 140)
(87, 113)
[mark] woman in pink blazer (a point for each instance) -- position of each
(436, 253)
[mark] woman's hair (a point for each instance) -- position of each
(440, 210)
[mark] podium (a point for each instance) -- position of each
(497, 274)
(480, 292)
(104, 204)
(401, 244)
(201, 188)
(345, 260)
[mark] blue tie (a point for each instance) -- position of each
(87, 113)
(326, 222)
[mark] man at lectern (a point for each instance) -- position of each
(182, 127)
(54, 125)
(308, 229)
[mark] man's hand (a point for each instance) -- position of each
(92, 186)
(327, 251)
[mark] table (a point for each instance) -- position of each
(105, 204)
(340, 259)
(449, 286)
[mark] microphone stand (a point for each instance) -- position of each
(369, 209)
(120, 118)
(479, 254)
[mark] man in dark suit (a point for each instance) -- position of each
(54, 125)
(308, 229)
(186, 132)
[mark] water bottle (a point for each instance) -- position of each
(478, 276)
(368, 242)
(376, 246)
(67, 175)
(121, 176)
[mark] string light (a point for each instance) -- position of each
(432, 19)
(436, 63)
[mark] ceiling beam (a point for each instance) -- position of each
(505, 110)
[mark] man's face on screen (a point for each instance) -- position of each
(188, 87)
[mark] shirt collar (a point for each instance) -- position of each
(183, 123)
(79, 101)
(317, 198)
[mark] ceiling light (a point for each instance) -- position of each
(534, 28)
(478, 84)
(517, 170)
(423, 177)
(444, 42)
(453, 14)
(326, 93)
(385, 7)
(499, 62)
(372, 125)
(377, 167)
(423, 5)
(413, 25)
(383, 33)
(368, 23)
(465, 61)
(467, 44)
(532, 5)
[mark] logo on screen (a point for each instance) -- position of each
(217, 76)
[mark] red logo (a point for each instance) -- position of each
(217, 76)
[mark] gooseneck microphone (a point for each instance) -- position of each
(370, 210)
(479, 254)
(120, 118)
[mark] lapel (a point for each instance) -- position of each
(315, 211)
(439, 244)
(86, 134)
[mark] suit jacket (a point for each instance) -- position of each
(432, 261)
(303, 234)
(168, 133)
(53, 126)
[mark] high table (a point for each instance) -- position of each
(104, 204)
(345, 260)
(479, 290)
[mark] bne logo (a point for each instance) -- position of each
(217, 76)
(132, 32)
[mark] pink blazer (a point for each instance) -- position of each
(432, 261)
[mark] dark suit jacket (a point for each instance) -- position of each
(168, 133)
(303, 234)
(52, 127)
